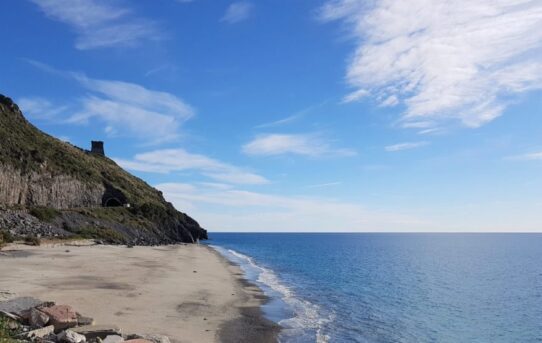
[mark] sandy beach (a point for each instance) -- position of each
(186, 292)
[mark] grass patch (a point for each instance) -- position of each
(5, 238)
(6, 334)
(107, 234)
(45, 214)
(32, 240)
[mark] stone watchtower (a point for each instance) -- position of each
(97, 148)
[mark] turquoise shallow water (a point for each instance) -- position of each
(396, 287)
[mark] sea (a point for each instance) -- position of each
(372, 287)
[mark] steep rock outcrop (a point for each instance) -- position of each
(37, 170)
(47, 190)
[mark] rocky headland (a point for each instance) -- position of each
(52, 189)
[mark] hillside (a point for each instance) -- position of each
(71, 191)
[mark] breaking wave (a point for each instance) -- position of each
(307, 322)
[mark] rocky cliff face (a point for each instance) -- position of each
(47, 190)
(39, 171)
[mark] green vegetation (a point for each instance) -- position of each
(6, 334)
(121, 215)
(32, 240)
(26, 149)
(5, 237)
(107, 234)
(45, 214)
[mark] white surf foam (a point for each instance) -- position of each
(307, 319)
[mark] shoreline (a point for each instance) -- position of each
(189, 293)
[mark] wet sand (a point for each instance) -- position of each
(187, 292)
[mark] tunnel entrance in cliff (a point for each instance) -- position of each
(113, 197)
(112, 202)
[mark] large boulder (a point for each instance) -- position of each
(20, 306)
(61, 316)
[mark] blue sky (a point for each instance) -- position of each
(332, 115)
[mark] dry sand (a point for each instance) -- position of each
(186, 292)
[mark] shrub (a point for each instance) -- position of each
(6, 237)
(45, 214)
(32, 240)
(6, 335)
(107, 234)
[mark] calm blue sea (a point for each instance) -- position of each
(396, 287)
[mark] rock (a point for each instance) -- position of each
(61, 316)
(37, 318)
(113, 339)
(95, 331)
(10, 316)
(82, 320)
(155, 338)
(20, 306)
(12, 325)
(137, 340)
(40, 333)
(69, 336)
(133, 336)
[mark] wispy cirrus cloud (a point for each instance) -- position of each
(292, 118)
(167, 161)
(442, 59)
(405, 146)
(297, 144)
(233, 209)
(99, 23)
(532, 156)
(126, 109)
(40, 108)
(237, 12)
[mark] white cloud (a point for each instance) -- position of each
(443, 59)
(40, 108)
(291, 118)
(238, 11)
(405, 146)
(299, 144)
(527, 157)
(327, 184)
(125, 108)
(99, 23)
(175, 160)
(356, 95)
(239, 210)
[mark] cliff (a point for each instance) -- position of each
(82, 193)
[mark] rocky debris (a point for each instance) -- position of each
(69, 336)
(98, 331)
(82, 320)
(33, 320)
(40, 333)
(38, 318)
(113, 339)
(61, 316)
(22, 224)
(157, 338)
